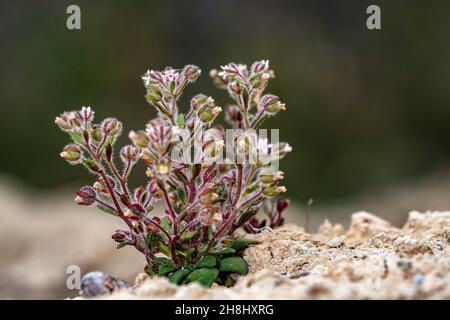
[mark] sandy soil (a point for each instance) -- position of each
(370, 260)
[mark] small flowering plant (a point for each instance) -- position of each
(206, 195)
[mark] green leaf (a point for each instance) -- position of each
(234, 264)
(223, 251)
(189, 253)
(164, 249)
(149, 240)
(181, 177)
(189, 235)
(180, 121)
(165, 224)
(204, 276)
(161, 261)
(242, 243)
(76, 137)
(149, 209)
(210, 231)
(108, 141)
(91, 165)
(202, 247)
(165, 269)
(179, 275)
(121, 245)
(207, 262)
(182, 195)
(106, 209)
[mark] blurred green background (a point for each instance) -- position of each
(365, 109)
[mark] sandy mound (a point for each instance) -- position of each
(371, 260)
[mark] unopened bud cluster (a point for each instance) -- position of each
(205, 201)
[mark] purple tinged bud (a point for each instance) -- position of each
(63, 122)
(260, 66)
(120, 236)
(154, 190)
(129, 153)
(85, 196)
(191, 72)
(100, 185)
(111, 126)
(86, 114)
(235, 88)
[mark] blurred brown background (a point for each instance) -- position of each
(368, 112)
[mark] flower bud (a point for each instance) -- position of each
(72, 117)
(233, 71)
(212, 148)
(71, 153)
(151, 227)
(139, 138)
(154, 190)
(151, 78)
(85, 196)
(96, 133)
(111, 126)
(129, 154)
(154, 95)
(273, 191)
(141, 195)
(217, 80)
(270, 177)
(85, 114)
(198, 100)
(271, 104)
(64, 122)
(191, 72)
(100, 185)
(260, 66)
(281, 149)
(235, 88)
(148, 157)
(120, 236)
(208, 114)
(276, 107)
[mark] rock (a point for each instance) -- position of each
(96, 283)
(327, 231)
(336, 242)
(365, 225)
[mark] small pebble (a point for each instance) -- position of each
(97, 283)
(439, 244)
(419, 279)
